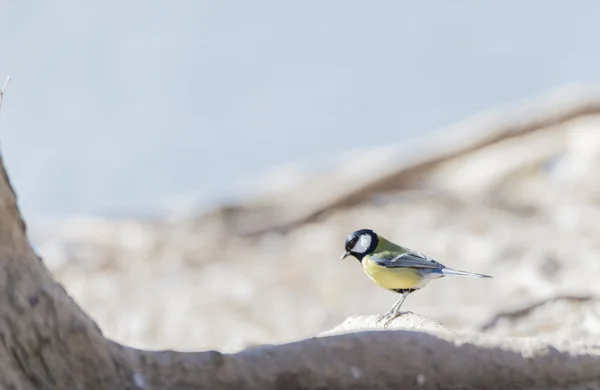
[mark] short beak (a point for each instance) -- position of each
(345, 255)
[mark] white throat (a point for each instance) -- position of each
(363, 244)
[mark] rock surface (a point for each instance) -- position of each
(407, 321)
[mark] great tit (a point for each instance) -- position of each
(395, 268)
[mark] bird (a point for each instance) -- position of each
(395, 268)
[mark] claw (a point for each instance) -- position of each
(382, 316)
(391, 317)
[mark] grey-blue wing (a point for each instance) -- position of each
(410, 259)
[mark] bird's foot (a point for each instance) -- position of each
(390, 317)
(382, 317)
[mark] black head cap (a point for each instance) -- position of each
(360, 243)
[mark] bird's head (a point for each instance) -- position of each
(360, 243)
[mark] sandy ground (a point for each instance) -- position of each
(194, 284)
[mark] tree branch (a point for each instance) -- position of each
(374, 360)
(399, 167)
(2, 91)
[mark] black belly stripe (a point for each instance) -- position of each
(405, 290)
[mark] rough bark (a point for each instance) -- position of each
(48, 342)
(45, 339)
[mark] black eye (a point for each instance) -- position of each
(351, 243)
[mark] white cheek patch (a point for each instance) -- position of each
(364, 242)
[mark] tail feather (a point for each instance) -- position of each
(449, 271)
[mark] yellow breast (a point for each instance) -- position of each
(392, 278)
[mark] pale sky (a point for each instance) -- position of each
(116, 107)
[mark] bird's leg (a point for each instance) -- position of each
(393, 308)
(394, 311)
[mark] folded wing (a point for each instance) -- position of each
(409, 259)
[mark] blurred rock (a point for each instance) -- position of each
(512, 193)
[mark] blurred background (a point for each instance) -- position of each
(190, 170)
